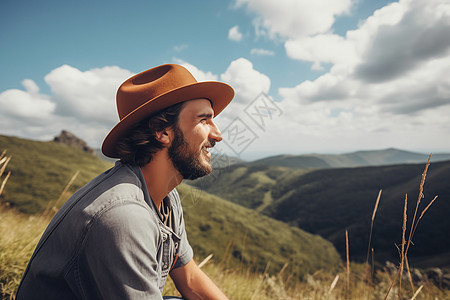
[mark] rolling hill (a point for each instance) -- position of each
(329, 201)
(41, 170)
(235, 235)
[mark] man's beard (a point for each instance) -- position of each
(185, 160)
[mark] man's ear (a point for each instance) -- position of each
(164, 136)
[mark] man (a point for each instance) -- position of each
(119, 236)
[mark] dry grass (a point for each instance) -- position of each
(405, 244)
(19, 235)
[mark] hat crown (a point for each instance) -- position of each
(149, 85)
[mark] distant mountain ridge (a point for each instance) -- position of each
(389, 156)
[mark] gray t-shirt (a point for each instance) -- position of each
(108, 242)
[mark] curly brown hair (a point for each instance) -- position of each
(138, 147)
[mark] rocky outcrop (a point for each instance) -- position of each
(72, 140)
(439, 277)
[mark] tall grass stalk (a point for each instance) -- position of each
(348, 262)
(413, 227)
(2, 187)
(52, 208)
(368, 272)
(4, 160)
(371, 225)
(333, 284)
(200, 265)
(402, 254)
(420, 197)
(417, 292)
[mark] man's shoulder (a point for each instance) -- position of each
(118, 185)
(119, 175)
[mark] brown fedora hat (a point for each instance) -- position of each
(156, 89)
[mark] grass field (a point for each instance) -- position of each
(19, 233)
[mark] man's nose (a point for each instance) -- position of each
(215, 133)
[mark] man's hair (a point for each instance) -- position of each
(139, 145)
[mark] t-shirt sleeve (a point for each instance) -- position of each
(119, 254)
(185, 253)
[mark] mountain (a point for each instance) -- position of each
(236, 236)
(329, 201)
(69, 139)
(354, 159)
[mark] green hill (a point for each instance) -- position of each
(235, 235)
(329, 201)
(41, 170)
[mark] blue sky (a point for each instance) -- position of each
(344, 75)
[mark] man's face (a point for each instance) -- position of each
(194, 134)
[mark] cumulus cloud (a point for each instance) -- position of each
(422, 33)
(196, 72)
(234, 34)
(81, 102)
(86, 95)
(28, 104)
(262, 52)
(323, 48)
(383, 61)
(292, 18)
(247, 82)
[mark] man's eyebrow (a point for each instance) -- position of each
(205, 115)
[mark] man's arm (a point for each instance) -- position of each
(194, 284)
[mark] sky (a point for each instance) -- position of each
(310, 76)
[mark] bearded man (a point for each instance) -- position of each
(119, 236)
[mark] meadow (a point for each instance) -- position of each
(19, 233)
(244, 258)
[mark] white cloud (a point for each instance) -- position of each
(262, 52)
(323, 48)
(27, 104)
(293, 18)
(86, 95)
(234, 34)
(421, 33)
(81, 102)
(196, 72)
(247, 82)
(391, 66)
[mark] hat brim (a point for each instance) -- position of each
(220, 95)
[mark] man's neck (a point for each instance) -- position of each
(160, 176)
